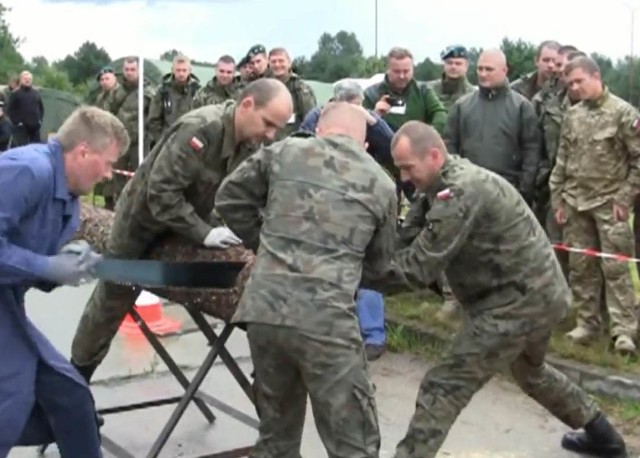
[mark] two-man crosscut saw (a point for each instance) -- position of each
(152, 273)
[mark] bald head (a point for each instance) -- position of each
(420, 138)
(264, 91)
(343, 118)
(492, 68)
(419, 153)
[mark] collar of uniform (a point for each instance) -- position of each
(451, 86)
(386, 87)
(60, 189)
(597, 103)
(228, 121)
(491, 93)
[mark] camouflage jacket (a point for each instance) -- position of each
(449, 91)
(169, 102)
(598, 158)
(304, 100)
(527, 85)
(104, 99)
(496, 256)
(174, 188)
(551, 108)
(213, 93)
(329, 220)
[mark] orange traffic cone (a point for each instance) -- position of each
(149, 307)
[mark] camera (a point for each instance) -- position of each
(395, 101)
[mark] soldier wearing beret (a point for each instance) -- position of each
(258, 62)
(453, 84)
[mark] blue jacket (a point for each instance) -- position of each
(379, 137)
(38, 216)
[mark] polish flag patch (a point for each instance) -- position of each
(196, 144)
(445, 194)
(636, 124)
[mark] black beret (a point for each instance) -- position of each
(457, 51)
(255, 50)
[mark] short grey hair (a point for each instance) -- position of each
(347, 91)
(97, 127)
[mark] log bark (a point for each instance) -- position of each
(95, 227)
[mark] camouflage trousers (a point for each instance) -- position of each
(554, 232)
(485, 346)
(109, 303)
(596, 228)
(289, 364)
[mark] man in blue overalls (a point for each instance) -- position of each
(43, 399)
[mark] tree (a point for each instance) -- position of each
(11, 61)
(85, 63)
(521, 57)
(338, 56)
(169, 55)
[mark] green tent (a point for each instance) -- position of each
(58, 105)
(154, 69)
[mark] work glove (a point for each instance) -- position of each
(221, 237)
(73, 265)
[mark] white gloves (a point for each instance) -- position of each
(221, 237)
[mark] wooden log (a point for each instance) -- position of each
(95, 227)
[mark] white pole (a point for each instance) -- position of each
(140, 109)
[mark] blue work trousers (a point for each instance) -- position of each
(370, 310)
(64, 413)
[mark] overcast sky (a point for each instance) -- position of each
(205, 29)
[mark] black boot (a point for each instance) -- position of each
(598, 439)
(87, 372)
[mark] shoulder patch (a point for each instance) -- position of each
(445, 194)
(636, 125)
(196, 144)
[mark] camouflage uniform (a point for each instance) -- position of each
(329, 220)
(598, 164)
(170, 101)
(104, 100)
(510, 286)
(449, 91)
(527, 85)
(172, 191)
(551, 107)
(304, 100)
(213, 93)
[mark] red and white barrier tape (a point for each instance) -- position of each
(126, 173)
(595, 253)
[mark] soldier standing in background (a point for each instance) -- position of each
(173, 191)
(244, 69)
(26, 111)
(222, 87)
(551, 108)
(511, 289)
(12, 85)
(304, 99)
(332, 221)
(173, 98)
(497, 128)
(108, 83)
(593, 186)
(454, 83)
(258, 62)
(450, 88)
(531, 83)
(125, 106)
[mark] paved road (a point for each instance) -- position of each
(499, 423)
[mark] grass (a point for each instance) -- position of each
(93, 199)
(623, 413)
(420, 309)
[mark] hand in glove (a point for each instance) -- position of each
(221, 237)
(73, 265)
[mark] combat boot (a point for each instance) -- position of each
(624, 345)
(599, 438)
(581, 336)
